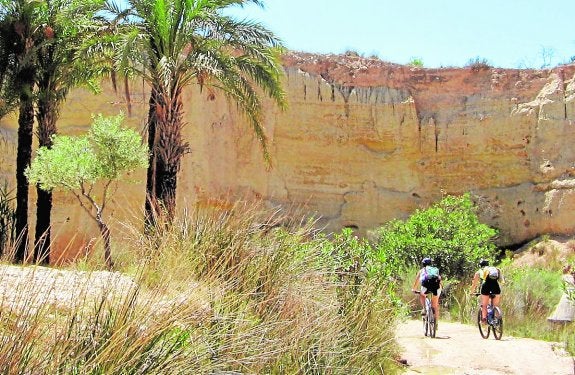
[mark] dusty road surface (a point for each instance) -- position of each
(458, 349)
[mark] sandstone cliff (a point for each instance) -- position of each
(365, 141)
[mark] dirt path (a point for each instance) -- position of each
(458, 349)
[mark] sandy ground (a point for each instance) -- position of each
(459, 349)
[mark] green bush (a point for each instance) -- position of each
(449, 232)
(416, 62)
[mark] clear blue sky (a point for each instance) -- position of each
(507, 33)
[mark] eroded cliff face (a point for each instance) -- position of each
(363, 141)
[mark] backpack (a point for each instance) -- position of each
(491, 273)
(430, 273)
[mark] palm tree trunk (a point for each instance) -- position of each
(167, 181)
(46, 129)
(169, 148)
(23, 158)
(151, 204)
(42, 238)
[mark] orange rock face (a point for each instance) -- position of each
(363, 141)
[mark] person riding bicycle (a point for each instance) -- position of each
(489, 277)
(430, 280)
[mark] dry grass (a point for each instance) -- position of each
(238, 290)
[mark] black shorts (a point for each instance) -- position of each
(430, 286)
(490, 287)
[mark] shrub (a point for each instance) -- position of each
(448, 231)
(289, 300)
(416, 62)
(477, 64)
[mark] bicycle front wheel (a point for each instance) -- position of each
(483, 330)
(497, 323)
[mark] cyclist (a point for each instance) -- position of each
(489, 277)
(430, 281)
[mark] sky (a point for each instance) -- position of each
(440, 33)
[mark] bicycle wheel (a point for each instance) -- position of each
(432, 325)
(497, 324)
(425, 325)
(483, 330)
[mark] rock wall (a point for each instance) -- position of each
(362, 142)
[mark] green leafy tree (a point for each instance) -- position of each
(76, 164)
(448, 231)
(174, 43)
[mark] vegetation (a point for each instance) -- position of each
(478, 64)
(19, 38)
(416, 62)
(214, 294)
(64, 24)
(38, 43)
(75, 164)
(171, 44)
(448, 231)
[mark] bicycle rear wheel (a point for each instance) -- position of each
(483, 330)
(497, 323)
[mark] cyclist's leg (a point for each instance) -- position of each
(496, 290)
(484, 301)
(496, 300)
(435, 291)
(435, 305)
(422, 294)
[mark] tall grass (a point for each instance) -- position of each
(238, 290)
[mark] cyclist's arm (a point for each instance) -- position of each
(501, 278)
(416, 282)
(474, 282)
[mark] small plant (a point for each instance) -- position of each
(416, 62)
(477, 64)
(76, 164)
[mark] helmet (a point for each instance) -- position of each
(426, 261)
(483, 263)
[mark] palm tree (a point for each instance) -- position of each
(19, 39)
(64, 24)
(174, 43)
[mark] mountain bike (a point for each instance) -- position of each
(494, 320)
(429, 322)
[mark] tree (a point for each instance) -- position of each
(449, 232)
(64, 25)
(19, 39)
(76, 164)
(174, 43)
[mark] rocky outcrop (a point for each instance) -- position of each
(364, 141)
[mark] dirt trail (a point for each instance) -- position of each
(458, 349)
